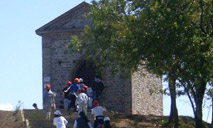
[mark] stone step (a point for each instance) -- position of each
(37, 118)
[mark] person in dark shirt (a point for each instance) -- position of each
(97, 88)
(65, 95)
(82, 121)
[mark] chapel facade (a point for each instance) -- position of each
(60, 64)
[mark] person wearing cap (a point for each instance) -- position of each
(82, 121)
(49, 101)
(82, 85)
(59, 121)
(73, 91)
(98, 113)
(82, 101)
(65, 95)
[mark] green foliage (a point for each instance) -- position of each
(75, 44)
(125, 34)
(169, 37)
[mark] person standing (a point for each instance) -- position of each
(73, 91)
(97, 88)
(82, 101)
(82, 121)
(89, 93)
(49, 101)
(59, 121)
(98, 113)
(82, 85)
(65, 95)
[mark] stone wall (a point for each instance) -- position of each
(117, 94)
(58, 61)
(146, 93)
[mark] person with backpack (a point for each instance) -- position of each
(65, 95)
(59, 121)
(98, 113)
(82, 121)
(49, 101)
(82, 101)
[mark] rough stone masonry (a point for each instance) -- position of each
(60, 64)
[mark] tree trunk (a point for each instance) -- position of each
(199, 103)
(173, 118)
(198, 116)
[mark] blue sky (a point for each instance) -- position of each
(20, 53)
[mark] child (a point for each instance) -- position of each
(59, 121)
(82, 121)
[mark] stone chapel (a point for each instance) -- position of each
(60, 64)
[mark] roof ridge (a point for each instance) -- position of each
(77, 7)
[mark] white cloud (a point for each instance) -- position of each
(7, 107)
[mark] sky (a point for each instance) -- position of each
(21, 58)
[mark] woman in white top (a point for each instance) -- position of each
(59, 121)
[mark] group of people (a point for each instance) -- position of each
(86, 94)
(78, 98)
(82, 120)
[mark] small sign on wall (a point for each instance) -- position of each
(46, 79)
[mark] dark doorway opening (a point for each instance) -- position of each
(86, 71)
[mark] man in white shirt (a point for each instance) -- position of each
(98, 113)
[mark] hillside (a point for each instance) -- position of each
(9, 119)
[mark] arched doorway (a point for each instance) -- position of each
(86, 71)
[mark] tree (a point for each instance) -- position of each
(115, 39)
(184, 29)
(172, 38)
